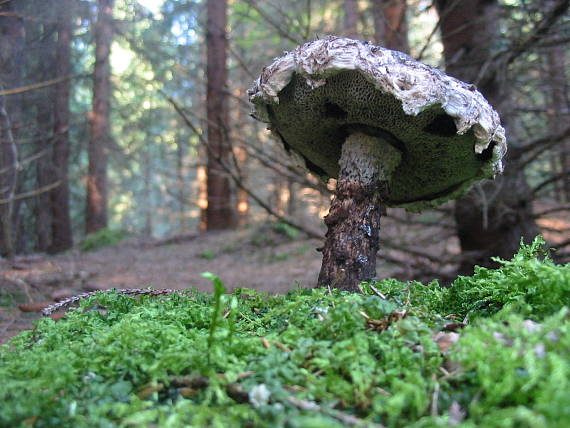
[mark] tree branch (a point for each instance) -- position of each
(39, 85)
(30, 194)
(550, 180)
(234, 177)
(540, 30)
(540, 145)
(280, 30)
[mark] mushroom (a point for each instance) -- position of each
(394, 132)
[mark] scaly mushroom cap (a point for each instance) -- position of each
(448, 134)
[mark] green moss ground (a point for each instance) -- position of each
(310, 358)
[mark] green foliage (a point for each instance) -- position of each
(522, 369)
(286, 229)
(103, 238)
(530, 284)
(219, 290)
(249, 359)
(208, 255)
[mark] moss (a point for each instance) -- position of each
(191, 360)
(530, 284)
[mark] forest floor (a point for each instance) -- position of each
(259, 258)
(264, 257)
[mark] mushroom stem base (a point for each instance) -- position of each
(353, 222)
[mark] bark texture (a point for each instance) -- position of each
(242, 197)
(241, 155)
(62, 238)
(12, 37)
(493, 217)
(220, 212)
(391, 24)
(96, 210)
(353, 222)
(43, 104)
(181, 184)
(559, 114)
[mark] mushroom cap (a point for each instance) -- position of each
(316, 95)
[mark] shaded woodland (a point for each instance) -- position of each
(133, 115)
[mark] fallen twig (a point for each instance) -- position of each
(127, 291)
(435, 399)
(377, 292)
(343, 417)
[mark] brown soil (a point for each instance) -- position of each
(254, 258)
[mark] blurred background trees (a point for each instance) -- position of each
(133, 115)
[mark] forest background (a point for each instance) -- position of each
(132, 116)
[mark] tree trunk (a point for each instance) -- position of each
(391, 24)
(12, 37)
(351, 19)
(43, 105)
(559, 115)
(8, 165)
(181, 185)
(220, 213)
(96, 210)
(62, 238)
(147, 181)
(493, 217)
(292, 201)
(242, 195)
(240, 153)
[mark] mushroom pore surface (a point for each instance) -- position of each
(436, 162)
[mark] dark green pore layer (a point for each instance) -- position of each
(436, 161)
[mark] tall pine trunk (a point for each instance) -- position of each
(493, 216)
(43, 105)
(12, 37)
(559, 115)
(62, 238)
(96, 210)
(220, 213)
(180, 185)
(242, 197)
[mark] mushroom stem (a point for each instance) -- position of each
(353, 221)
